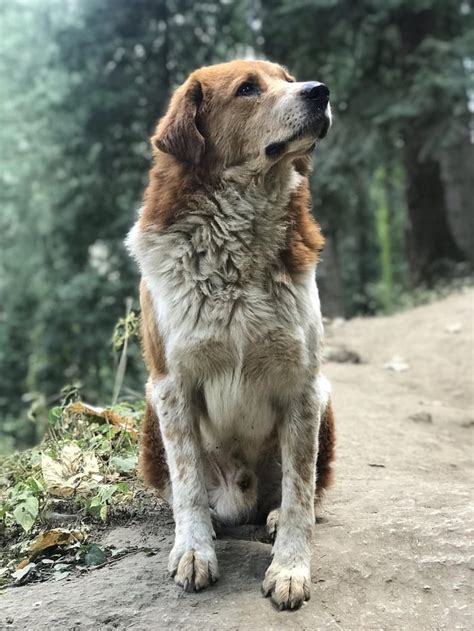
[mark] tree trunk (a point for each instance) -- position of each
(431, 246)
(456, 171)
(430, 243)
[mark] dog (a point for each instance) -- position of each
(238, 424)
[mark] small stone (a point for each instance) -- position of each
(341, 355)
(454, 327)
(397, 364)
(426, 588)
(9, 620)
(421, 417)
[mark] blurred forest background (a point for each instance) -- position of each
(82, 83)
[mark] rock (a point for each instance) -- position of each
(455, 327)
(421, 417)
(341, 355)
(397, 364)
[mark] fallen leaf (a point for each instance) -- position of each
(52, 538)
(53, 475)
(22, 576)
(70, 458)
(61, 567)
(107, 415)
(22, 564)
(59, 576)
(90, 463)
(75, 471)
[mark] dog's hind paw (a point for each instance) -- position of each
(272, 523)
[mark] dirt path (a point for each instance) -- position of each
(393, 547)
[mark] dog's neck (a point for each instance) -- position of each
(260, 195)
(273, 180)
(255, 209)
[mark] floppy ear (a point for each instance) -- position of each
(177, 133)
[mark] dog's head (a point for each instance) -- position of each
(241, 112)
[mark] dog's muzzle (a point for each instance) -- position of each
(316, 95)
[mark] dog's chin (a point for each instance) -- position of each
(315, 128)
(302, 141)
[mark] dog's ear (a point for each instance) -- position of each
(177, 132)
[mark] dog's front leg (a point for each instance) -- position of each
(192, 560)
(288, 578)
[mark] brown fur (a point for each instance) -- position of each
(326, 454)
(204, 131)
(305, 241)
(153, 466)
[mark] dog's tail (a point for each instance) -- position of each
(153, 465)
(326, 452)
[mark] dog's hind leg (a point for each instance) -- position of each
(326, 454)
(326, 451)
(152, 464)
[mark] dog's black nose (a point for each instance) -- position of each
(318, 93)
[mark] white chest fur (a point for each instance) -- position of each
(233, 322)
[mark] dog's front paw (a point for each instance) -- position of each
(194, 568)
(288, 587)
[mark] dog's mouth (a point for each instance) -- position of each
(316, 129)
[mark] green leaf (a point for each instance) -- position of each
(55, 414)
(35, 485)
(26, 512)
(95, 555)
(124, 464)
(103, 512)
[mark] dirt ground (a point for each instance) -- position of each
(393, 544)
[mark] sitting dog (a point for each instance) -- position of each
(236, 406)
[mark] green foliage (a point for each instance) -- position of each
(398, 77)
(87, 460)
(84, 84)
(90, 81)
(22, 504)
(125, 329)
(83, 472)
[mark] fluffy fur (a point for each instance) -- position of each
(231, 323)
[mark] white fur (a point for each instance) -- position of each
(215, 278)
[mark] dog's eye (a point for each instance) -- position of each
(248, 89)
